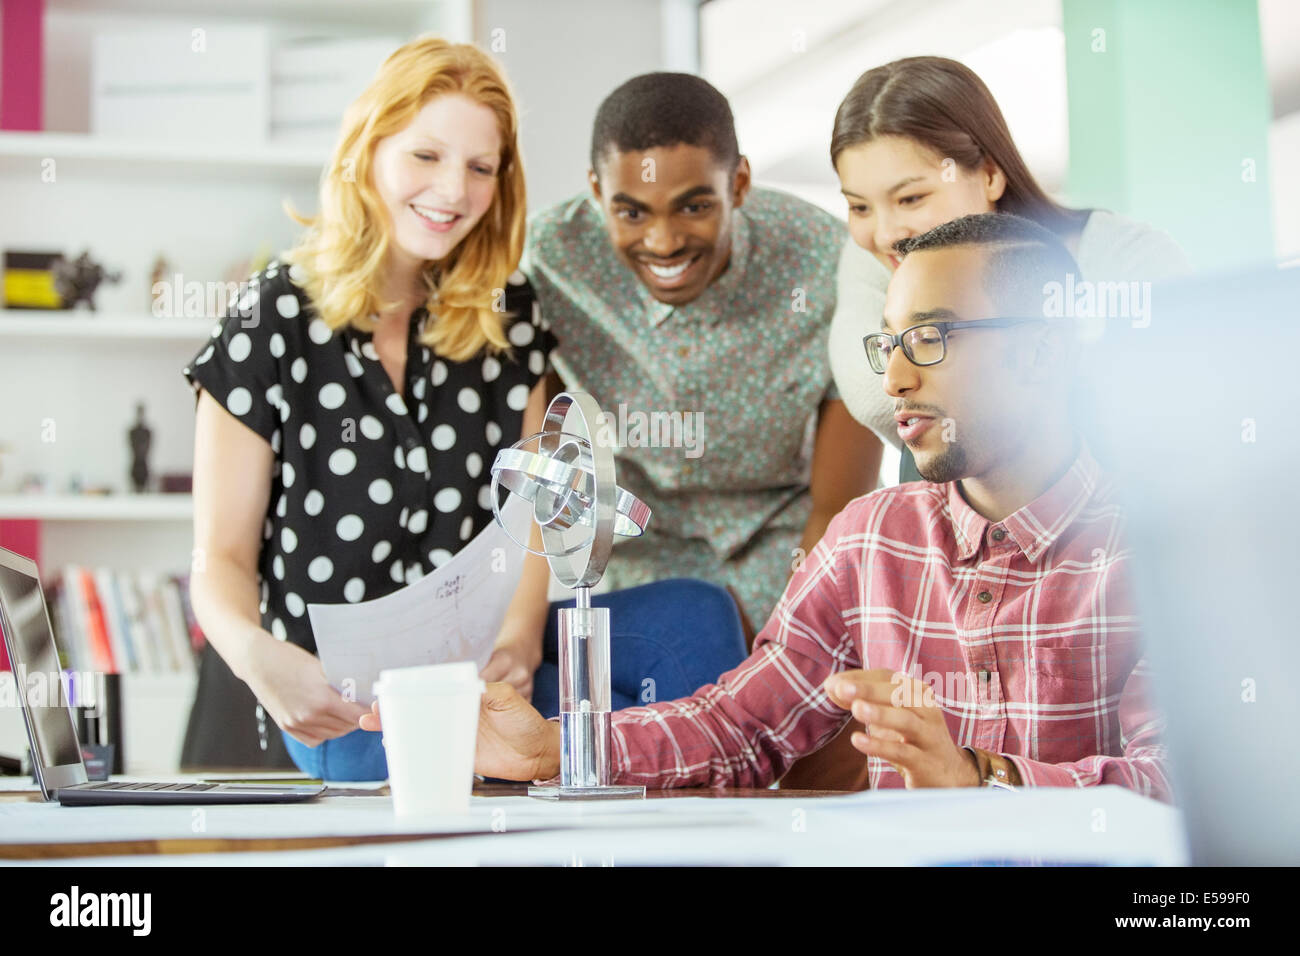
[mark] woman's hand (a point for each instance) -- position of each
(290, 684)
(515, 659)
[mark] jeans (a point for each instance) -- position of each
(667, 639)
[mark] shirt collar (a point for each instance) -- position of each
(710, 307)
(1035, 527)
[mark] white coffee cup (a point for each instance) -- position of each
(430, 720)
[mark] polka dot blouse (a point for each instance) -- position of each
(370, 490)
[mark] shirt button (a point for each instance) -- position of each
(998, 534)
(684, 351)
(984, 597)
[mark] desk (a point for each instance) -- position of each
(747, 827)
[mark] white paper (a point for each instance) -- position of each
(451, 614)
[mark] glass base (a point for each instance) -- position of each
(587, 793)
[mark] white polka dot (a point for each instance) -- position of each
(277, 628)
(398, 456)
(299, 370)
(491, 369)
(380, 551)
(277, 567)
(368, 350)
(343, 461)
(332, 395)
(417, 459)
(371, 428)
(404, 517)
(493, 433)
(469, 400)
(284, 411)
(297, 273)
(517, 398)
(320, 569)
(288, 540)
(396, 404)
(516, 278)
(274, 395)
(277, 345)
(207, 354)
(439, 373)
(485, 497)
(282, 506)
(353, 363)
(395, 572)
(444, 436)
(314, 503)
(307, 436)
(295, 604)
(287, 475)
(350, 527)
(447, 500)
(439, 557)
(413, 574)
(521, 333)
(474, 464)
(287, 306)
(240, 347)
(381, 492)
(424, 412)
(275, 441)
(216, 331)
(418, 522)
(318, 332)
(354, 590)
(467, 528)
(267, 530)
(239, 401)
(418, 388)
(536, 362)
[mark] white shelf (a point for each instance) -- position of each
(59, 324)
(148, 507)
(85, 155)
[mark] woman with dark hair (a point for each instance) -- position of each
(919, 142)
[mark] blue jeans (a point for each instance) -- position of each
(668, 639)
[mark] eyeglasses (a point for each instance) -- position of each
(926, 344)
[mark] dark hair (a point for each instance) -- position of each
(943, 105)
(665, 109)
(1022, 256)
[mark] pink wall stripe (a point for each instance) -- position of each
(22, 47)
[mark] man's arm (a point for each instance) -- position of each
(749, 727)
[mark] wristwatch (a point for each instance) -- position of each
(995, 770)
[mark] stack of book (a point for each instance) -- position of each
(125, 622)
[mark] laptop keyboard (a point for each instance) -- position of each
(148, 786)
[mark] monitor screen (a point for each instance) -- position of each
(36, 671)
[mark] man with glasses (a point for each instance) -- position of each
(980, 625)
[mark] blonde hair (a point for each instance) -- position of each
(344, 248)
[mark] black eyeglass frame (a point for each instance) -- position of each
(943, 328)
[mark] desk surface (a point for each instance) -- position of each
(504, 826)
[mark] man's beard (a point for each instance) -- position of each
(948, 465)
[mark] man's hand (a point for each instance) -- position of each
(514, 742)
(904, 727)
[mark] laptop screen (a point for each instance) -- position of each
(35, 664)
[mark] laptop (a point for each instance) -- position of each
(56, 752)
(1195, 417)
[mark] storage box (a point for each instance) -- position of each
(207, 83)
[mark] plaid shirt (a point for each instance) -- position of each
(1026, 630)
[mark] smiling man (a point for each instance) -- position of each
(979, 625)
(683, 296)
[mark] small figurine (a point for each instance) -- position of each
(76, 281)
(141, 438)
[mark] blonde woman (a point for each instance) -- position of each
(350, 407)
